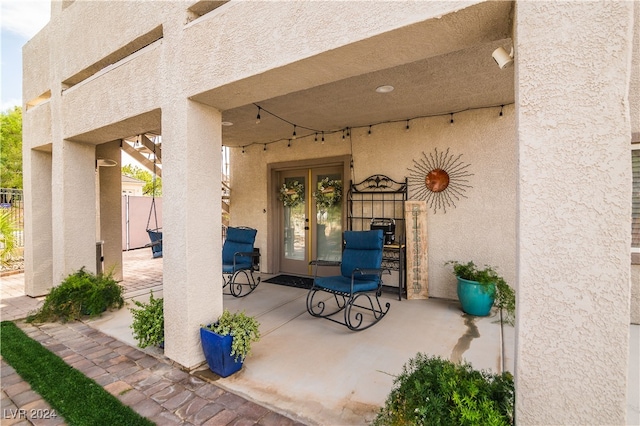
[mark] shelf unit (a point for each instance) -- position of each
(380, 197)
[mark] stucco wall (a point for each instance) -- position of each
(634, 104)
(574, 209)
(480, 228)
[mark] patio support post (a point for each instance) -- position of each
(109, 208)
(38, 249)
(192, 217)
(73, 208)
(574, 207)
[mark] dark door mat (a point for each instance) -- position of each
(291, 281)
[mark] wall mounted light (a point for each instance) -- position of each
(105, 162)
(502, 58)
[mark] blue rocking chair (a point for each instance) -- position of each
(357, 290)
(238, 257)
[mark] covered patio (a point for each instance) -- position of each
(319, 372)
(547, 141)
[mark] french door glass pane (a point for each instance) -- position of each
(328, 201)
(294, 218)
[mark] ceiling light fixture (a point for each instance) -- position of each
(384, 89)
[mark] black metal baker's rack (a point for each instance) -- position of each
(380, 197)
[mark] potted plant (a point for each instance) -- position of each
(148, 322)
(481, 289)
(227, 342)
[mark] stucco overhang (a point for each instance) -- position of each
(437, 66)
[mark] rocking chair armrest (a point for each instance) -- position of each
(325, 263)
(247, 253)
(370, 271)
(316, 263)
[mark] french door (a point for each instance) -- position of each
(311, 217)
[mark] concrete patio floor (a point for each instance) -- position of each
(318, 372)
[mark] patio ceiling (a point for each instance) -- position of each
(455, 72)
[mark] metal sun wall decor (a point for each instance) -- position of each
(440, 179)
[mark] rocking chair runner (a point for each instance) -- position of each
(238, 257)
(360, 281)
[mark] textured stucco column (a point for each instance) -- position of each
(73, 208)
(110, 208)
(38, 252)
(572, 81)
(192, 274)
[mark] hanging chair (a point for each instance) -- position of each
(155, 234)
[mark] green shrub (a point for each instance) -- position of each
(434, 391)
(148, 322)
(81, 293)
(8, 240)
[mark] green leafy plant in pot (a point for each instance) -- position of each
(148, 322)
(481, 289)
(227, 342)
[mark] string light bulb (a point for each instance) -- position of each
(315, 139)
(294, 132)
(258, 116)
(406, 129)
(243, 149)
(322, 137)
(342, 134)
(265, 147)
(348, 133)
(501, 108)
(451, 121)
(289, 143)
(369, 132)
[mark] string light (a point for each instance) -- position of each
(346, 131)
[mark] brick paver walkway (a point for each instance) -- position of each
(152, 386)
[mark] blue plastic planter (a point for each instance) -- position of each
(475, 298)
(217, 351)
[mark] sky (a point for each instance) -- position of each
(20, 20)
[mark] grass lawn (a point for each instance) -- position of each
(74, 396)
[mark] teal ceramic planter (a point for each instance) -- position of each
(475, 298)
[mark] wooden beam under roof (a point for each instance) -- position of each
(148, 164)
